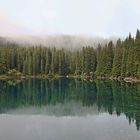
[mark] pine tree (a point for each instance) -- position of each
(137, 54)
(109, 58)
(116, 70)
(130, 58)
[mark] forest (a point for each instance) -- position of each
(110, 60)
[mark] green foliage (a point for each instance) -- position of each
(105, 60)
(117, 61)
(14, 72)
(2, 61)
(2, 66)
(120, 59)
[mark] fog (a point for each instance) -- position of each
(58, 41)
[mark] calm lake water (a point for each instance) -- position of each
(68, 109)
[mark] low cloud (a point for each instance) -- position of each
(69, 42)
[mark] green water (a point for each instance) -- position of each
(68, 109)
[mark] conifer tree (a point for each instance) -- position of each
(117, 61)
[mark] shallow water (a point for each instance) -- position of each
(68, 109)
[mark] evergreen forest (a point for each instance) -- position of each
(112, 59)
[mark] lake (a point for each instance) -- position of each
(68, 109)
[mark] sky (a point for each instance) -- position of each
(102, 18)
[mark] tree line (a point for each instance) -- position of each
(113, 59)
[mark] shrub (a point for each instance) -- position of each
(14, 72)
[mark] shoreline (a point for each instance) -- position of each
(125, 79)
(6, 77)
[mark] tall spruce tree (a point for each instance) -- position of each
(117, 61)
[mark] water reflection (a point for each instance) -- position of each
(68, 97)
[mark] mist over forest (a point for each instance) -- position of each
(70, 42)
(71, 55)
